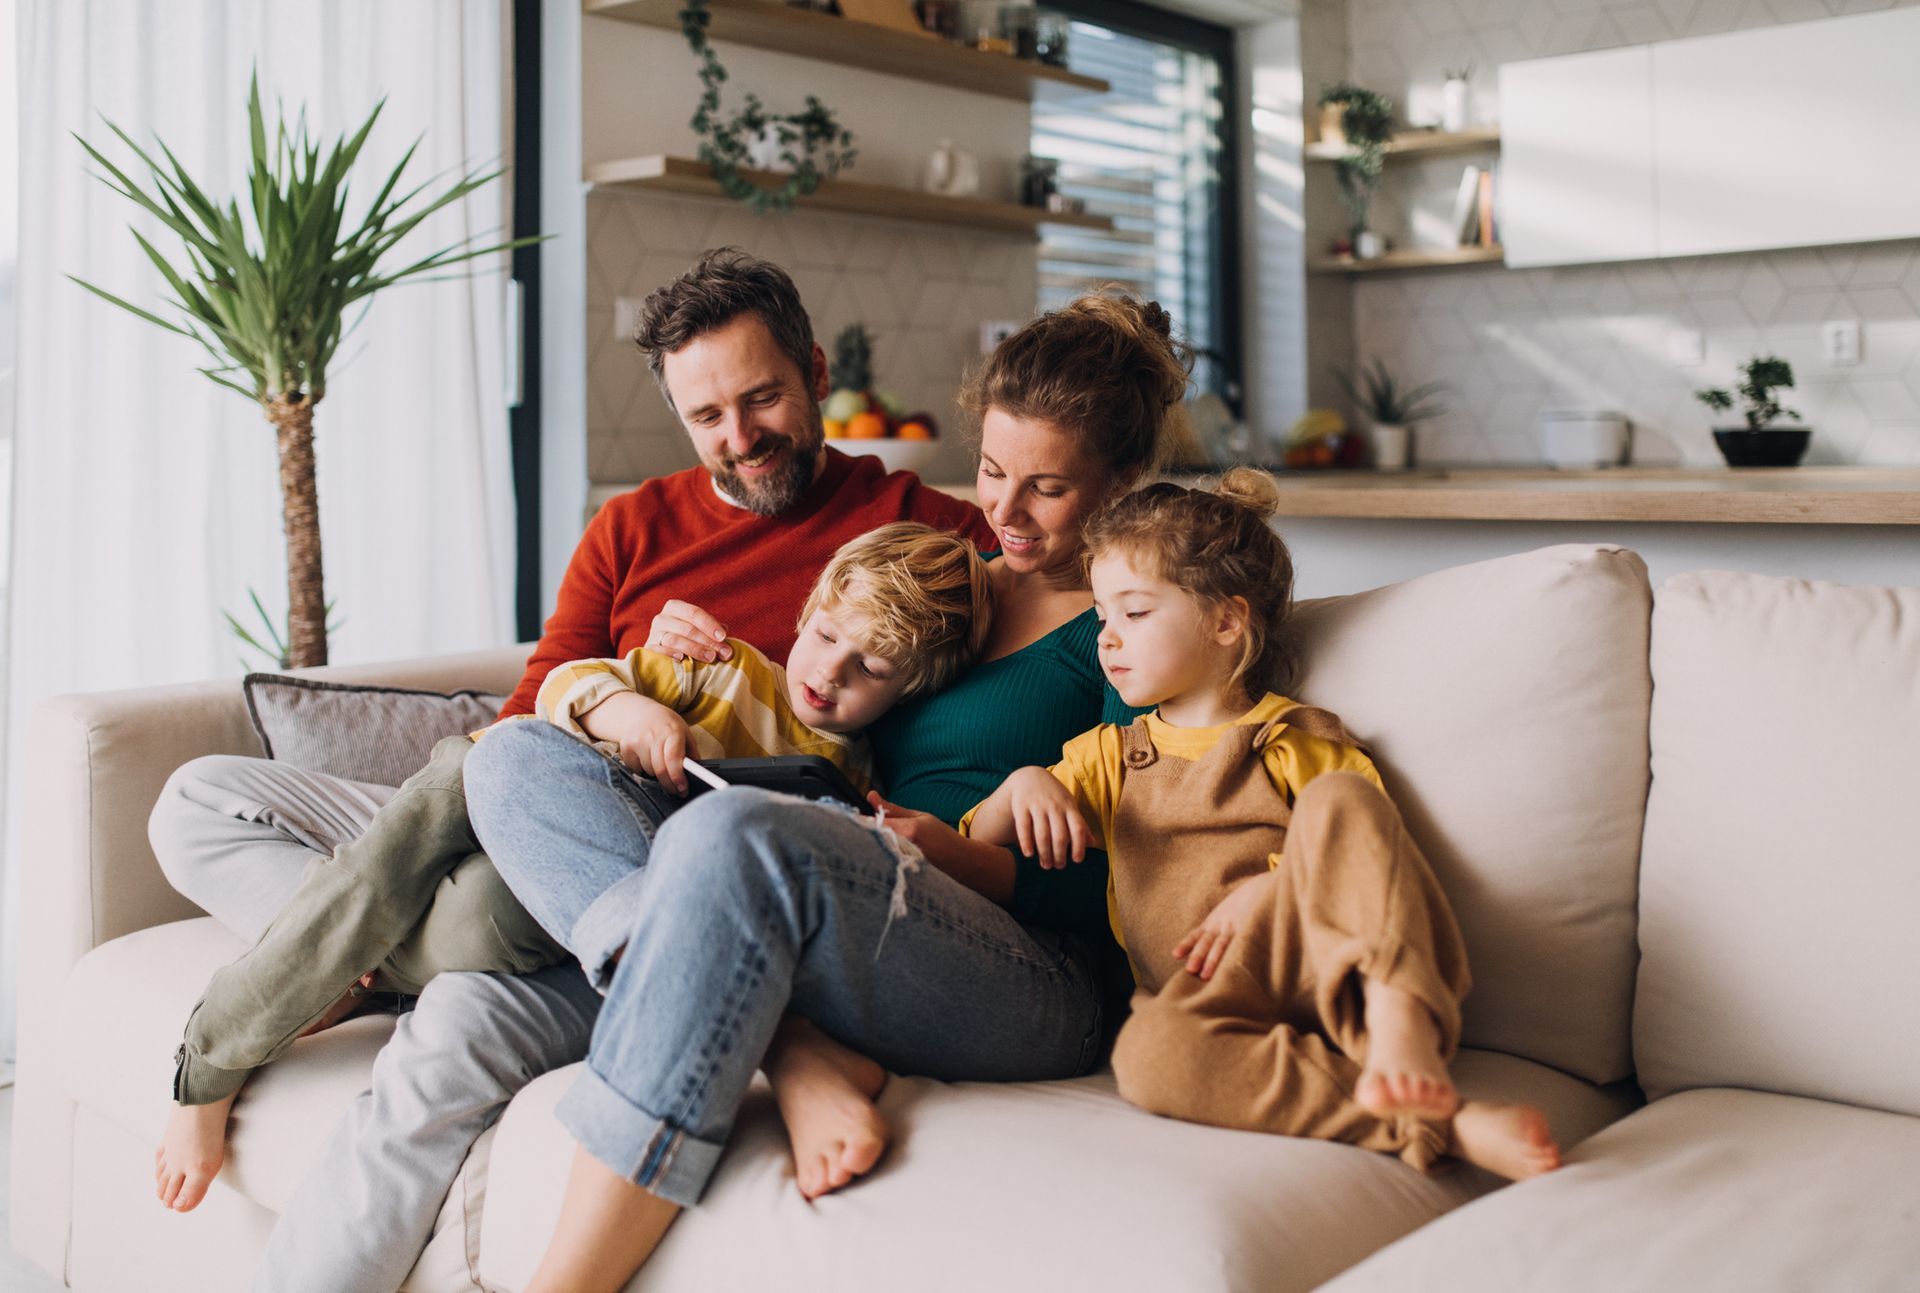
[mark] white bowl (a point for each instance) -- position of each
(894, 455)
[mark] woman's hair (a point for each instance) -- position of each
(1217, 545)
(919, 598)
(1104, 367)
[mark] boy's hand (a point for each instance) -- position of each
(684, 631)
(1203, 948)
(1046, 821)
(652, 738)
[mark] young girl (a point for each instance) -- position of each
(1298, 970)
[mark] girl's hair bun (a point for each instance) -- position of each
(1251, 488)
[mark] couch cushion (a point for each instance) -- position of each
(120, 1023)
(362, 732)
(1709, 1190)
(1042, 1186)
(1780, 875)
(1506, 704)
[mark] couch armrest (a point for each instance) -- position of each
(94, 766)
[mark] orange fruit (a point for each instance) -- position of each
(833, 430)
(915, 431)
(866, 426)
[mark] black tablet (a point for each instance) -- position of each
(806, 775)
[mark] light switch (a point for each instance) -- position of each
(626, 318)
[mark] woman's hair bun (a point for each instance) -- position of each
(1251, 488)
(1155, 316)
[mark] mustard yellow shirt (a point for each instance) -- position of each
(735, 708)
(1093, 766)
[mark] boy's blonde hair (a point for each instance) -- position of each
(920, 595)
(1217, 545)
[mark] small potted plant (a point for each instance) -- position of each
(1392, 410)
(1366, 124)
(1759, 443)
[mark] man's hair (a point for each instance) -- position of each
(723, 285)
(917, 597)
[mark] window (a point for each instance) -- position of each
(1155, 153)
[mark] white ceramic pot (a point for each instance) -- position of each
(1392, 446)
(1453, 106)
(1583, 438)
(763, 154)
(1367, 245)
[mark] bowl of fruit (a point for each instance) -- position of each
(861, 419)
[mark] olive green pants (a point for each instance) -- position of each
(412, 897)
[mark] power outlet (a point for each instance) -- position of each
(1840, 343)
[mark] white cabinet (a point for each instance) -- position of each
(1796, 135)
(1576, 162)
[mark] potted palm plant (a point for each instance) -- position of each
(1366, 124)
(266, 295)
(1392, 409)
(1759, 443)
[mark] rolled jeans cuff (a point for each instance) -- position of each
(649, 1151)
(604, 928)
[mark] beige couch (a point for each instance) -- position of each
(1680, 834)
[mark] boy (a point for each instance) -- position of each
(897, 611)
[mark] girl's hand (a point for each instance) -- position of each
(1046, 821)
(1203, 948)
(684, 631)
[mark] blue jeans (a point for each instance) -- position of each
(744, 906)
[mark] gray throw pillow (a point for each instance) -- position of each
(381, 735)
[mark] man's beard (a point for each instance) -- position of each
(773, 494)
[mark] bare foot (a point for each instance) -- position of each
(1512, 1140)
(1404, 1072)
(826, 1094)
(191, 1151)
(351, 1002)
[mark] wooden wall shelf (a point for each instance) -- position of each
(684, 175)
(1416, 258)
(767, 24)
(1416, 143)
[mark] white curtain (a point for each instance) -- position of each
(146, 499)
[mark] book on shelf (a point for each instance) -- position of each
(1486, 209)
(1466, 207)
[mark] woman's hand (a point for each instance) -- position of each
(987, 869)
(1203, 948)
(1046, 820)
(684, 631)
(652, 738)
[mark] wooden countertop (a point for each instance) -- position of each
(1753, 495)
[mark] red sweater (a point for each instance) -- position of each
(674, 538)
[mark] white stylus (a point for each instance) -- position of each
(705, 774)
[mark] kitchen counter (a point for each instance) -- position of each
(1762, 495)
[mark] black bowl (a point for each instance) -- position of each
(1773, 447)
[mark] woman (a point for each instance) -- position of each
(758, 910)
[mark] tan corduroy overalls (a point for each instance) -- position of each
(1275, 1040)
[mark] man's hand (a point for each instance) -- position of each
(1046, 820)
(652, 738)
(684, 631)
(1203, 948)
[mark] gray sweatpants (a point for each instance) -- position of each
(236, 835)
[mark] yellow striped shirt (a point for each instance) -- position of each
(735, 708)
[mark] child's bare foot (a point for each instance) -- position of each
(826, 1094)
(191, 1151)
(1404, 1072)
(351, 1002)
(1512, 1140)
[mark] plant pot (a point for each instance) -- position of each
(1392, 446)
(1333, 131)
(1773, 447)
(1453, 106)
(1367, 245)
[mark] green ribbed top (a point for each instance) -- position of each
(944, 753)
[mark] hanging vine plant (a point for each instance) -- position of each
(812, 143)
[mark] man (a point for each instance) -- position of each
(741, 536)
